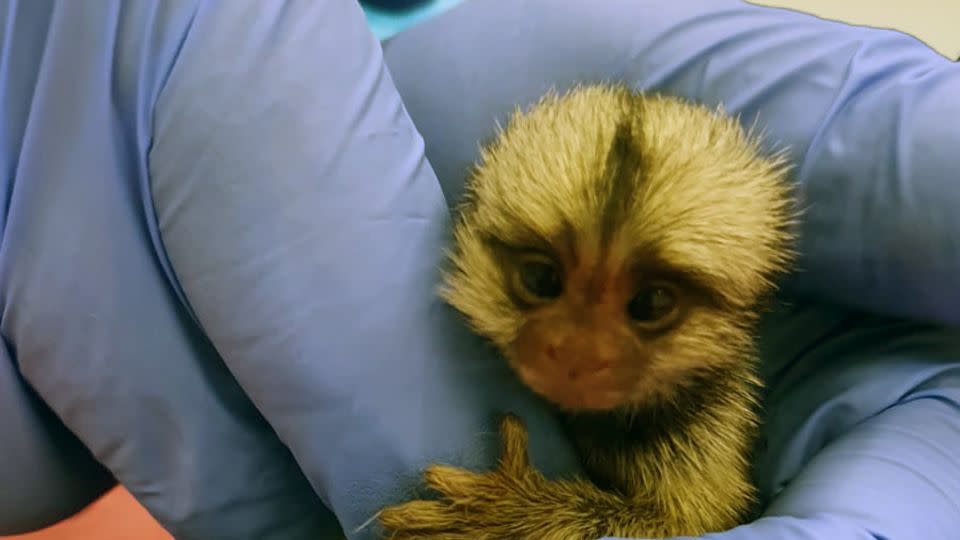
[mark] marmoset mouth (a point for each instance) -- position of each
(597, 391)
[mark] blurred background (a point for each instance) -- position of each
(118, 517)
(933, 21)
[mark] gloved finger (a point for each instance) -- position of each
(305, 228)
(97, 328)
(860, 110)
(46, 474)
(861, 422)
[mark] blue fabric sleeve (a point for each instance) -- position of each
(93, 329)
(304, 228)
(199, 190)
(46, 474)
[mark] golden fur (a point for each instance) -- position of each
(703, 200)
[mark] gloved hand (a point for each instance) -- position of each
(196, 182)
(862, 412)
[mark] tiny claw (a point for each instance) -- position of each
(514, 457)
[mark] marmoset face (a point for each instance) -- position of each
(615, 246)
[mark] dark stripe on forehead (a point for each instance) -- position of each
(623, 165)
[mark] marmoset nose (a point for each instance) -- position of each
(577, 359)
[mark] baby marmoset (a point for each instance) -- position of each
(615, 247)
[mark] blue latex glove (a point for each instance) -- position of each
(863, 413)
(231, 169)
(215, 209)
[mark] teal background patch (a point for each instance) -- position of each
(385, 24)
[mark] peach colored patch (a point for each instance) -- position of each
(115, 516)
